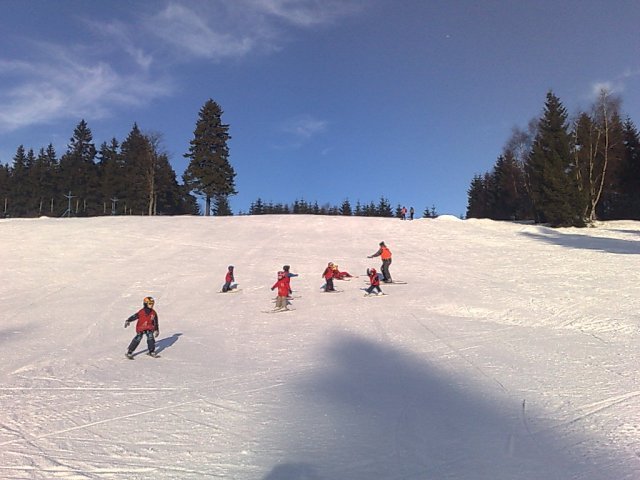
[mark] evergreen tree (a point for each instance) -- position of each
(4, 189)
(44, 174)
(630, 172)
(138, 159)
(209, 172)
(112, 176)
(78, 172)
(384, 208)
(345, 208)
(510, 196)
(257, 207)
(18, 186)
(478, 204)
(222, 207)
(554, 185)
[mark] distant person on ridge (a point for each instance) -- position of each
(385, 254)
(228, 280)
(411, 212)
(403, 213)
(147, 325)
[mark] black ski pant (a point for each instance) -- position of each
(151, 341)
(329, 285)
(372, 288)
(386, 276)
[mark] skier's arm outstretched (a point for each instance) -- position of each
(132, 318)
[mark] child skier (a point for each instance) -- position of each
(338, 275)
(328, 278)
(288, 275)
(147, 325)
(375, 283)
(283, 291)
(228, 280)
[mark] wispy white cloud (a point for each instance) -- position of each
(91, 79)
(305, 13)
(304, 126)
(219, 29)
(63, 86)
(197, 34)
(615, 86)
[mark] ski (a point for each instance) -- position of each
(279, 310)
(233, 290)
(369, 295)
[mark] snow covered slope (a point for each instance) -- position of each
(511, 353)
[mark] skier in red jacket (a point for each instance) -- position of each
(147, 324)
(282, 284)
(228, 280)
(374, 279)
(288, 276)
(338, 275)
(328, 278)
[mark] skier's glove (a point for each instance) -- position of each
(156, 333)
(126, 323)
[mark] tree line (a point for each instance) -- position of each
(564, 172)
(301, 207)
(133, 177)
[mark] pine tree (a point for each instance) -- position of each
(78, 172)
(44, 174)
(18, 187)
(554, 185)
(209, 172)
(510, 196)
(138, 161)
(345, 208)
(630, 172)
(222, 207)
(384, 208)
(112, 176)
(4, 189)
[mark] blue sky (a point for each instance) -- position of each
(325, 99)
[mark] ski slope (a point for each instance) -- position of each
(511, 353)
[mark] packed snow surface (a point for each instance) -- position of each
(511, 353)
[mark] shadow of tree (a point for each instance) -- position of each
(610, 245)
(381, 413)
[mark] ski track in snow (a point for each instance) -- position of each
(510, 353)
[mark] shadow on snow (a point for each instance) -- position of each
(610, 245)
(380, 413)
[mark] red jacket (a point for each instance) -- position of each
(229, 277)
(283, 287)
(328, 273)
(374, 278)
(147, 320)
